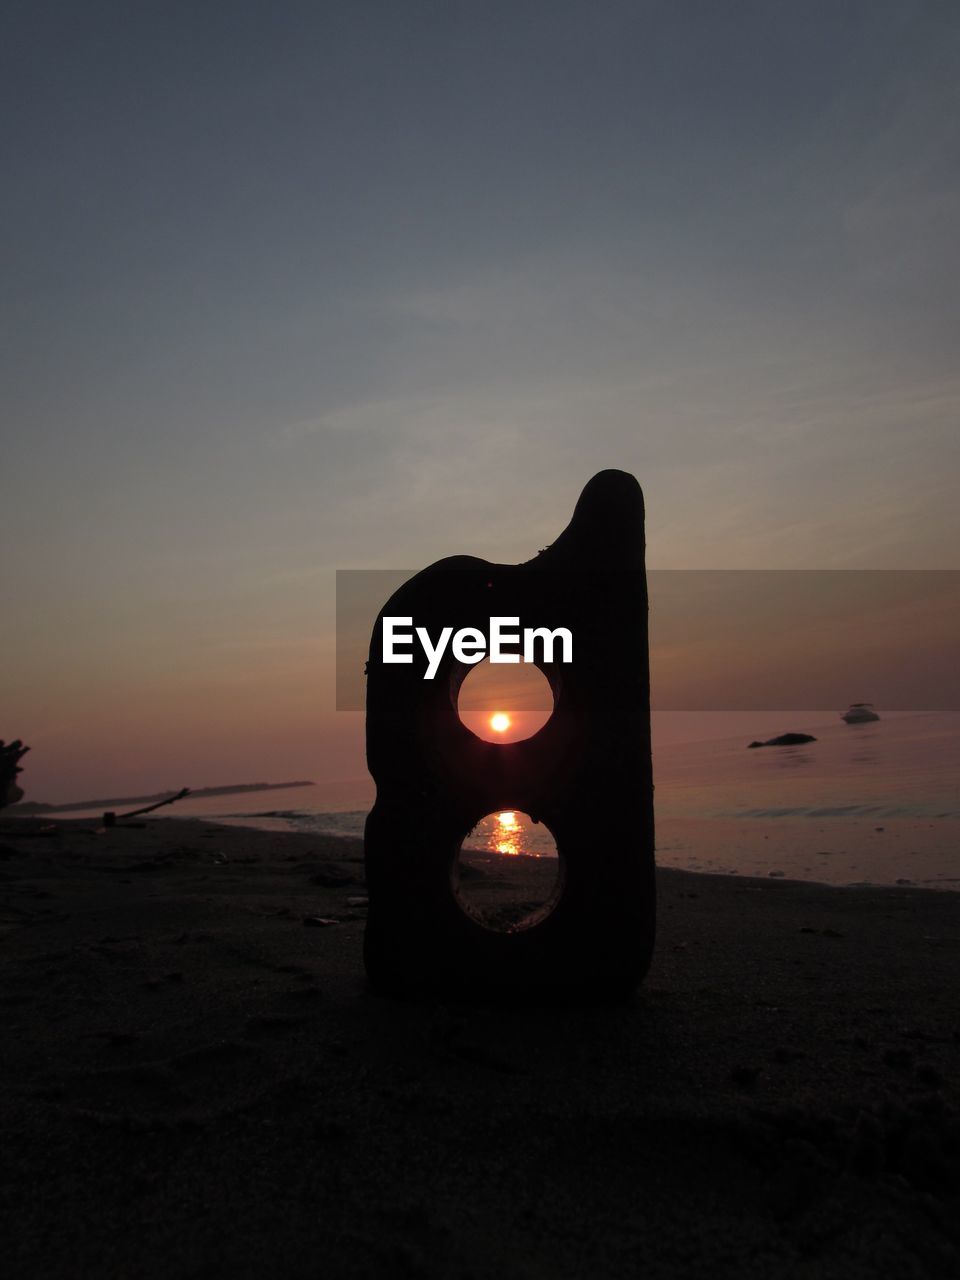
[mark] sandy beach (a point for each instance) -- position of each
(197, 1082)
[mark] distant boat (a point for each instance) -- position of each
(859, 713)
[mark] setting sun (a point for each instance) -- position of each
(500, 722)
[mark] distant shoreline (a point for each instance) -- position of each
(31, 807)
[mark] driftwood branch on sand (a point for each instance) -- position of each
(110, 819)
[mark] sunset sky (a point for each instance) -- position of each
(293, 287)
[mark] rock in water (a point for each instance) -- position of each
(785, 740)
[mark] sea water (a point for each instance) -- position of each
(903, 767)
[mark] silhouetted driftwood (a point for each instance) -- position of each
(586, 774)
(10, 755)
(110, 819)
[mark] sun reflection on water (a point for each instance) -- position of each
(511, 833)
(507, 833)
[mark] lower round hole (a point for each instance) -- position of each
(508, 875)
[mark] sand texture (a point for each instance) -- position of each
(195, 1081)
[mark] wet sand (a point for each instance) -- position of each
(196, 1081)
(849, 851)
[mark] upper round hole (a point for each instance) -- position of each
(505, 702)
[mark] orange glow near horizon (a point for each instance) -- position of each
(504, 704)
